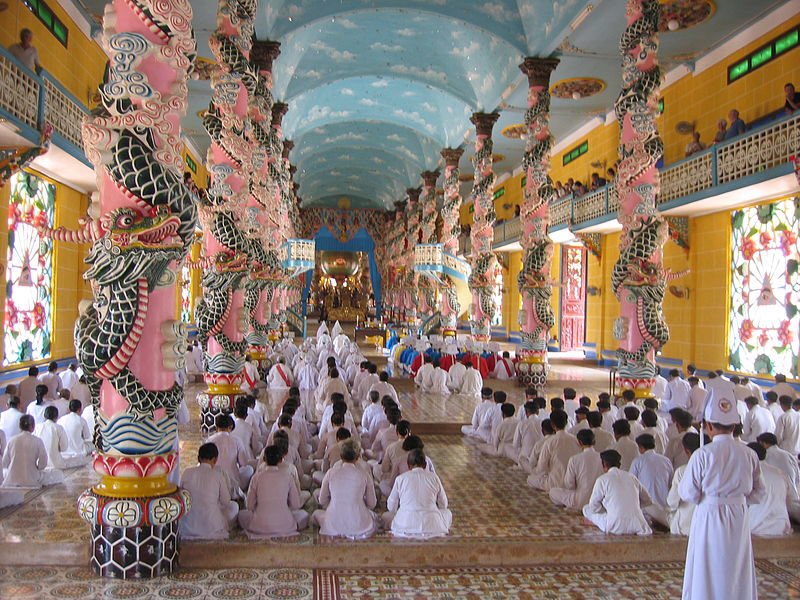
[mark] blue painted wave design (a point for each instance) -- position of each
(128, 436)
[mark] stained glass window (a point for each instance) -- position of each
(765, 289)
(29, 271)
(186, 294)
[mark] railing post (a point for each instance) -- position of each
(41, 105)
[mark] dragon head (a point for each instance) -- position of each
(129, 229)
(229, 262)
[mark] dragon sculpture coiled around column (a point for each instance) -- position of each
(638, 278)
(126, 340)
(536, 318)
(451, 230)
(484, 264)
(428, 302)
(410, 286)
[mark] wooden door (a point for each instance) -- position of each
(573, 297)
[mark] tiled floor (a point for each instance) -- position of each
(777, 580)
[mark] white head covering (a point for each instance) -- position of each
(450, 349)
(720, 408)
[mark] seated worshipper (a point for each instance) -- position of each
(332, 455)
(62, 402)
(554, 456)
(496, 415)
(787, 427)
(781, 387)
(412, 442)
(36, 408)
(626, 447)
(529, 431)
(80, 391)
(417, 506)
(502, 443)
(455, 377)
(327, 438)
(11, 391)
(778, 457)
(583, 469)
(758, 420)
(386, 435)
(233, 459)
(471, 382)
(649, 420)
(363, 371)
(422, 378)
(251, 376)
(79, 438)
(608, 413)
(384, 388)
(25, 459)
(632, 415)
(338, 405)
(770, 516)
(280, 376)
(347, 498)
(307, 375)
(615, 505)
(212, 512)
(571, 403)
(273, 501)
(675, 449)
(481, 426)
(290, 461)
(52, 381)
(580, 420)
(436, 382)
(384, 472)
(370, 418)
(69, 376)
(603, 440)
(676, 394)
(547, 430)
(27, 388)
(662, 420)
(774, 407)
(334, 385)
(56, 443)
(504, 368)
(243, 430)
(9, 418)
(256, 412)
(654, 472)
(679, 512)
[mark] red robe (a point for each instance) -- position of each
(447, 361)
(416, 364)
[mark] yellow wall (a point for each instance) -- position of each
(603, 142)
(79, 67)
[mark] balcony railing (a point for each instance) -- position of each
(29, 101)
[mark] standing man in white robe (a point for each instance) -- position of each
(721, 478)
(212, 512)
(676, 394)
(582, 471)
(617, 498)
(781, 388)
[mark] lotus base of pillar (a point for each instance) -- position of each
(642, 387)
(212, 405)
(533, 374)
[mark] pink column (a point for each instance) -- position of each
(535, 282)
(483, 261)
(638, 278)
(451, 229)
(428, 301)
(410, 289)
(127, 340)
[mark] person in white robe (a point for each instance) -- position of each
(280, 376)
(502, 443)
(307, 375)
(758, 420)
(9, 418)
(69, 376)
(244, 431)
(25, 460)
(504, 368)
(654, 472)
(250, 376)
(322, 330)
(80, 391)
(384, 388)
(555, 454)
(347, 498)
(436, 383)
(79, 437)
(273, 506)
(370, 417)
(455, 376)
(680, 512)
(615, 505)
(787, 427)
(603, 440)
(417, 506)
(233, 458)
(481, 426)
(626, 447)
(697, 398)
(770, 517)
(583, 469)
(36, 408)
(778, 457)
(472, 382)
(27, 388)
(782, 388)
(529, 431)
(336, 329)
(649, 421)
(755, 389)
(55, 442)
(422, 378)
(52, 381)
(721, 479)
(676, 393)
(659, 387)
(212, 512)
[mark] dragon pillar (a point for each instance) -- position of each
(535, 284)
(127, 340)
(638, 278)
(428, 302)
(412, 232)
(484, 264)
(451, 229)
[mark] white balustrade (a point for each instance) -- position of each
(63, 113)
(687, 177)
(758, 150)
(19, 92)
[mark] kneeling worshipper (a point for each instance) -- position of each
(212, 512)
(347, 498)
(472, 381)
(617, 498)
(554, 455)
(770, 517)
(582, 471)
(721, 479)
(9, 418)
(481, 426)
(79, 438)
(233, 457)
(280, 376)
(25, 459)
(504, 368)
(417, 506)
(502, 443)
(680, 512)
(56, 442)
(654, 472)
(436, 382)
(273, 501)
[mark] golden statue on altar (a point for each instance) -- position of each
(341, 287)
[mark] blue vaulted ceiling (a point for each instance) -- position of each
(376, 88)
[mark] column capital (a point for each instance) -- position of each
(288, 145)
(538, 70)
(484, 122)
(429, 177)
(278, 110)
(452, 156)
(263, 53)
(292, 170)
(413, 195)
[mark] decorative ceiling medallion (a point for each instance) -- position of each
(686, 13)
(343, 203)
(577, 87)
(515, 131)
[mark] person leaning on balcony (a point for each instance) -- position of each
(792, 99)
(695, 145)
(25, 52)
(737, 125)
(722, 131)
